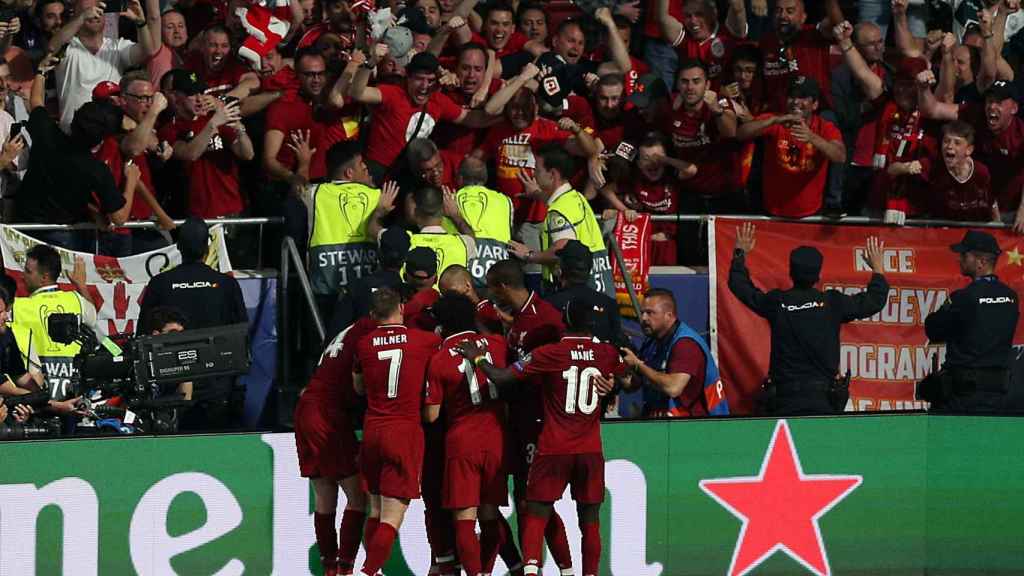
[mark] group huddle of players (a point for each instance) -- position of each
(454, 412)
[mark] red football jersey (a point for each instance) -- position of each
(565, 370)
(695, 139)
(333, 376)
(393, 360)
(474, 412)
(487, 317)
(537, 323)
(805, 55)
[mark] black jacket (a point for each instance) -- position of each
(607, 324)
(207, 298)
(977, 324)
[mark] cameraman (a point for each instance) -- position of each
(164, 320)
(207, 298)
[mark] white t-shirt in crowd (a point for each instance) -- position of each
(80, 71)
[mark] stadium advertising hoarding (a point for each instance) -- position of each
(896, 494)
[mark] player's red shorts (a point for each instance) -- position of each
(472, 479)
(391, 459)
(324, 440)
(550, 473)
(523, 447)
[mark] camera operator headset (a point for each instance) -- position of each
(52, 360)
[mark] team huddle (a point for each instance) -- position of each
(450, 414)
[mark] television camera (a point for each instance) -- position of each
(141, 370)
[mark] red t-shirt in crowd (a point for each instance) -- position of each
(326, 127)
(806, 55)
(217, 81)
(458, 140)
(660, 197)
(396, 117)
(284, 80)
(515, 43)
(795, 172)
(686, 357)
(213, 177)
(652, 27)
(332, 380)
(393, 360)
(950, 199)
(473, 410)
(628, 127)
(513, 151)
(695, 138)
(565, 372)
(715, 52)
(1002, 153)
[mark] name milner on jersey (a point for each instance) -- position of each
(389, 340)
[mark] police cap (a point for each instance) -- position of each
(977, 241)
(575, 256)
(421, 259)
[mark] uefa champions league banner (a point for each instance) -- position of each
(115, 284)
(886, 354)
(872, 494)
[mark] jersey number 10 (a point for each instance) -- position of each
(579, 393)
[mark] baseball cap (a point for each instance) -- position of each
(399, 41)
(554, 87)
(647, 89)
(805, 264)
(575, 256)
(104, 90)
(1001, 90)
(193, 236)
(394, 245)
(977, 241)
(422, 62)
(804, 87)
(421, 259)
(186, 82)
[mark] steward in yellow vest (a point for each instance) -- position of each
(428, 215)
(488, 213)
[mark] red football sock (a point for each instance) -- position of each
(468, 546)
(591, 547)
(380, 548)
(349, 536)
(323, 526)
(369, 530)
(507, 548)
(558, 542)
(533, 541)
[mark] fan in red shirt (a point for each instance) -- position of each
(308, 116)
(209, 146)
(327, 447)
(955, 186)
(402, 113)
(703, 133)
(476, 84)
(613, 120)
(795, 49)
(797, 150)
(698, 35)
(498, 32)
(474, 471)
(390, 368)
(536, 323)
(569, 451)
(217, 67)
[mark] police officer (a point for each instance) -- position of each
(574, 262)
(488, 213)
(977, 324)
(354, 301)
(569, 218)
(207, 298)
(805, 325)
(428, 215)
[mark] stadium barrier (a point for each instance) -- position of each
(879, 494)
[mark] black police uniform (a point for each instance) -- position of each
(805, 326)
(607, 321)
(977, 324)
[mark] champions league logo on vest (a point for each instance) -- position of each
(353, 208)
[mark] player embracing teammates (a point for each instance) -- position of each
(475, 480)
(390, 368)
(326, 442)
(569, 448)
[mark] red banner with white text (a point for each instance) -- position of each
(635, 241)
(885, 354)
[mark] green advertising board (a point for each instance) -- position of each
(885, 494)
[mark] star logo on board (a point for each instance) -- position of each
(780, 507)
(1015, 257)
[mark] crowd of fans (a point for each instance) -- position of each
(148, 109)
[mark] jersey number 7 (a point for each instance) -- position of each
(394, 358)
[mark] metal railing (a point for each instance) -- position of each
(290, 258)
(850, 220)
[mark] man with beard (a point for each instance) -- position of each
(798, 149)
(173, 38)
(92, 57)
(216, 65)
(999, 134)
(614, 123)
(796, 48)
(699, 37)
(675, 365)
(35, 34)
(403, 113)
(301, 127)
